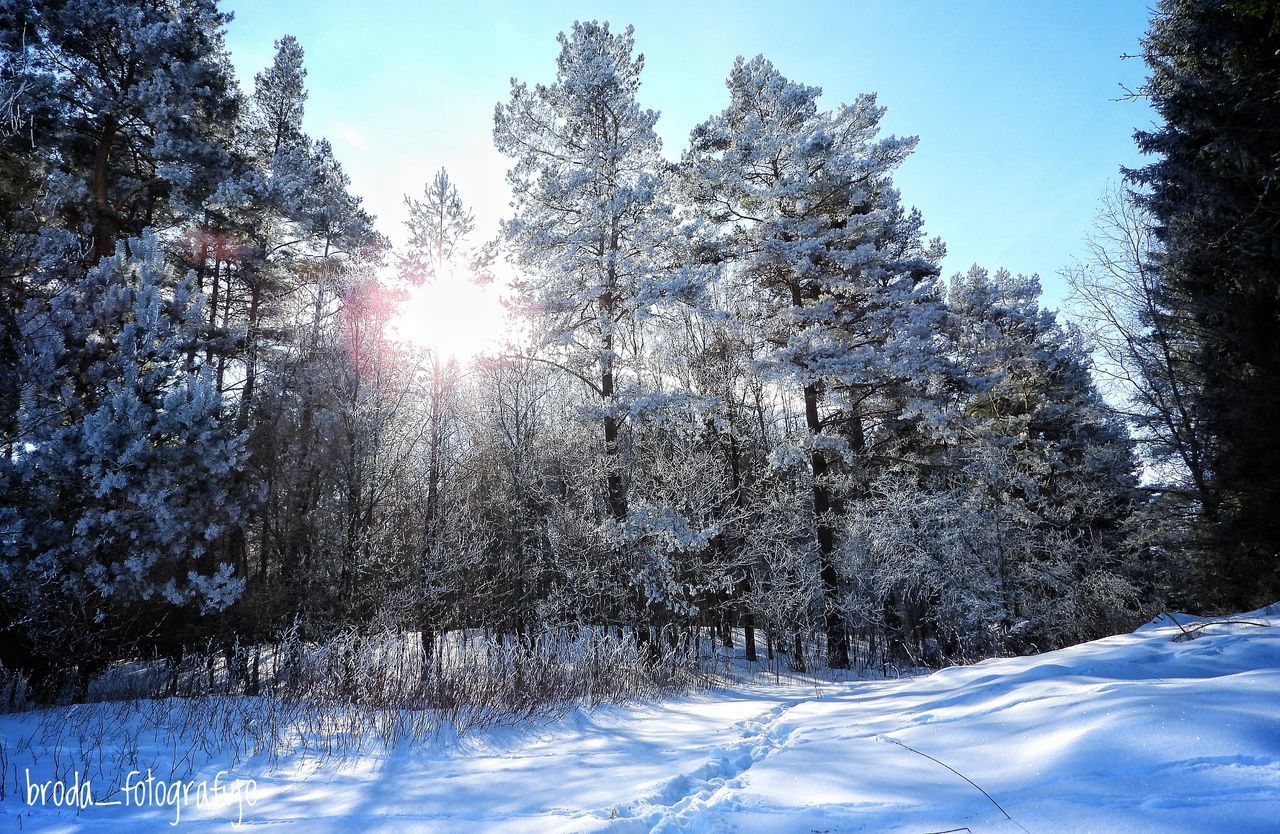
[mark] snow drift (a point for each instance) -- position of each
(1174, 728)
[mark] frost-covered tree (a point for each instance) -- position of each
(442, 241)
(441, 247)
(279, 100)
(137, 106)
(118, 116)
(1015, 535)
(337, 436)
(834, 272)
(1149, 366)
(123, 482)
(284, 227)
(591, 220)
(282, 245)
(23, 173)
(1044, 458)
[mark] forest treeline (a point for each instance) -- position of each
(740, 392)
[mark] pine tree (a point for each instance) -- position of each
(591, 219)
(23, 177)
(844, 285)
(126, 475)
(139, 102)
(1214, 192)
(118, 115)
(279, 101)
(1042, 456)
(441, 248)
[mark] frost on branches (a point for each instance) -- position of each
(1014, 537)
(122, 488)
(594, 229)
(833, 272)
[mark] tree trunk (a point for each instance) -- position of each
(797, 654)
(104, 224)
(428, 646)
(226, 318)
(251, 355)
(837, 643)
(437, 438)
(613, 462)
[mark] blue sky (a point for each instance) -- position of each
(1017, 104)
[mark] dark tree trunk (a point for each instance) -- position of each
(437, 439)
(226, 317)
(251, 355)
(837, 643)
(613, 462)
(104, 225)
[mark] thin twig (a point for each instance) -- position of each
(958, 773)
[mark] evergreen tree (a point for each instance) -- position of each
(843, 284)
(279, 101)
(1043, 456)
(126, 473)
(118, 115)
(138, 103)
(591, 219)
(440, 248)
(23, 173)
(1214, 192)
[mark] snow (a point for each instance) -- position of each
(1134, 733)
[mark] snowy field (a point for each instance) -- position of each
(1139, 732)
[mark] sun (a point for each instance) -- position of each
(454, 316)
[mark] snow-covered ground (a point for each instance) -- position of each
(1132, 733)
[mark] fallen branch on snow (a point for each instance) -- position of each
(1192, 631)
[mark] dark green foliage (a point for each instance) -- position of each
(1215, 195)
(135, 109)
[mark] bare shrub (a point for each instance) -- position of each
(352, 693)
